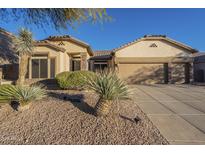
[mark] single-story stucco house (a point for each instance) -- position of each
(150, 59)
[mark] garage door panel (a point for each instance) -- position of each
(142, 73)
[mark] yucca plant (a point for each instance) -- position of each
(109, 88)
(23, 94)
(24, 45)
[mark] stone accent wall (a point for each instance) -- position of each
(83, 61)
(191, 73)
(177, 74)
(91, 65)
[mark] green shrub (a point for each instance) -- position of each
(73, 80)
(22, 94)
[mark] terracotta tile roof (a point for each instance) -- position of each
(155, 36)
(59, 36)
(47, 43)
(66, 37)
(102, 52)
(102, 55)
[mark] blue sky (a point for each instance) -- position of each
(184, 25)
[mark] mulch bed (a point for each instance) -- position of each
(66, 117)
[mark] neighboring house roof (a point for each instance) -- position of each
(102, 55)
(199, 57)
(198, 54)
(102, 52)
(72, 39)
(158, 37)
(46, 43)
(7, 51)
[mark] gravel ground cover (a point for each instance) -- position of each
(66, 117)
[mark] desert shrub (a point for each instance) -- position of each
(109, 88)
(73, 80)
(22, 94)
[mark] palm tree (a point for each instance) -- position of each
(109, 88)
(24, 47)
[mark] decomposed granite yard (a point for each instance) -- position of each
(65, 117)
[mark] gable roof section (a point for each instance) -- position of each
(72, 39)
(157, 37)
(46, 43)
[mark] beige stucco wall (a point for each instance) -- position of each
(143, 49)
(51, 53)
(71, 47)
(44, 49)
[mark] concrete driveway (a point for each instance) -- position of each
(178, 111)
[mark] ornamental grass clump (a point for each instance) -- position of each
(109, 88)
(22, 94)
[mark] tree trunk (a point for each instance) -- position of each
(103, 107)
(23, 64)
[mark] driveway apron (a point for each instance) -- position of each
(177, 111)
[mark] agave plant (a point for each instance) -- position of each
(109, 88)
(23, 94)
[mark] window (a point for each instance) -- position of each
(100, 66)
(39, 68)
(35, 68)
